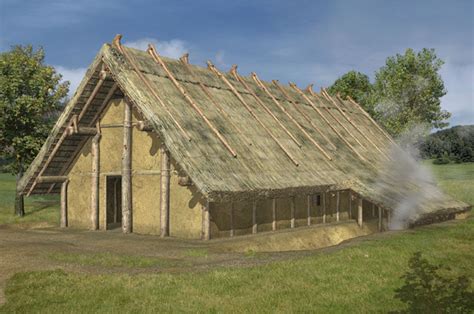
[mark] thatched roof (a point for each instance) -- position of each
(281, 142)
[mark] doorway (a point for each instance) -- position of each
(114, 202)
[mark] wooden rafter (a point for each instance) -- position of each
(265, 89)
(233, 72)
(351, 122)
(156, 57)
(102, 77)
(372, 120)
(249, 109)
(307, 118)
(328, 110)
(147, 83)
(327, 121)
(185, 61)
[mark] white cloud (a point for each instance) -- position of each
(458, 80)
(173, 48)
(73, 75)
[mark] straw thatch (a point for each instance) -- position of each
(276, 150)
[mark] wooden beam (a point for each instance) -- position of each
(145, 126)
(106, 100)
(338, 203)
(51, 179)
(206, 222)
(327, 121)
(156, 57)
(95, 155)
(102, 77)
(82, 130)
(350, 204)
(274, 215)
(63, 220)
(164, 192)
(126, 169)
(252, 113)
(301, 112)
(308, 208)
(359, 211)
(237, 77)
(213, 101)
(147, 83)
(254, 217)
(292, 212)
(264, 88)
(373, 210)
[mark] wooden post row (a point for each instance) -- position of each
(126, 169)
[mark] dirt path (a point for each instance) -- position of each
(35, 249)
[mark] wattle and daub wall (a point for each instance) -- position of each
(185, 201)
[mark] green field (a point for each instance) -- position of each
(361, 277)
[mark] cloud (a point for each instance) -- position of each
(73, 75)
(459, 100)
(173, 48)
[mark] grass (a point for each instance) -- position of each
(110, 260)
(358, 278)
(44, 208)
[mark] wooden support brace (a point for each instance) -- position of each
(63, 220)
(359, 212)
(292, 209)
(254, 217)
(145, 126)
(350, 204)
(373, 210)
(164, 192)
(51, 179)
(82, 130)
(338, 202)
(274, 215)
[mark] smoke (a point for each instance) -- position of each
(404, 180)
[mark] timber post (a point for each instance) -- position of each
(95, 155)
(206, 223)
(254, 217)
(308, 208)
(359, 211)
(292, 212)
(63, 222)
(126, 169)
(164, 192)
(338, 203)
(350, 204)
(380, 218)
(231, 233)
(274, 214)
(324, 207)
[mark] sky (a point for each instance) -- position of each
(299, 41)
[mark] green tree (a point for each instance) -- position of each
(407, 91)
(30, 98)
(356, 85)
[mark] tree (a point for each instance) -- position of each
(356, 85)
(431, 288)
(30, 98)
(407, 91)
